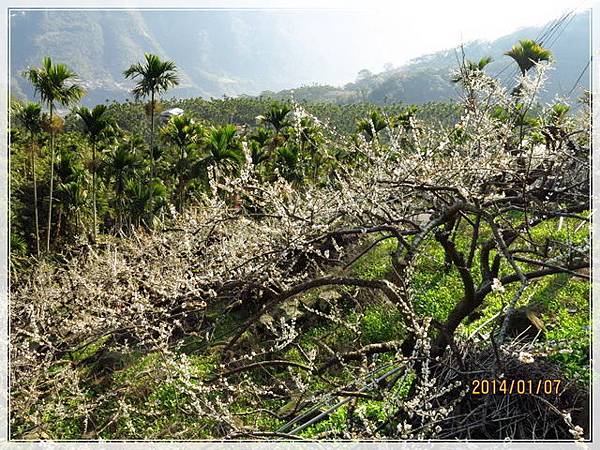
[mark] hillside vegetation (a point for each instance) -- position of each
(428, 79)
(248, 52)
(253, 269)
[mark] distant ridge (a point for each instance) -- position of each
(230, 53)
(428, 78)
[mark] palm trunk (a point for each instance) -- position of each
(152, 134)
(180, 184)
(35, 200)
(120, 211)
(58, 223)
(152, 137)
(94, 189)
(51, 178)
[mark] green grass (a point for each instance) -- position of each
(89, 349)
(435, 290)
(564, 300)
(160, 406)
(375, 410)
(377, 263)
(381, 323)
(336, 422)
(567, 320)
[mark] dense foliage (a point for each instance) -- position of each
(276, 270)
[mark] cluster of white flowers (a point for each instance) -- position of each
(526, 357)
(497, 286)
(166, 293)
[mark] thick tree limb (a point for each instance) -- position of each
(381, 285)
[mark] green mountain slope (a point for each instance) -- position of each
(569, 45)
(218, 52)
(246, 52)
(85, 42)
(428, 78)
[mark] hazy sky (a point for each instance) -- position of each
(399, 30)
(329, 41)
(470, 19)
(404, 28)
(407, 29)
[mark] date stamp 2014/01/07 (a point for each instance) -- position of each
(507, 387)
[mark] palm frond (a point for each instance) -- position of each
(55, 83)
(527, 53)
(155, 76)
